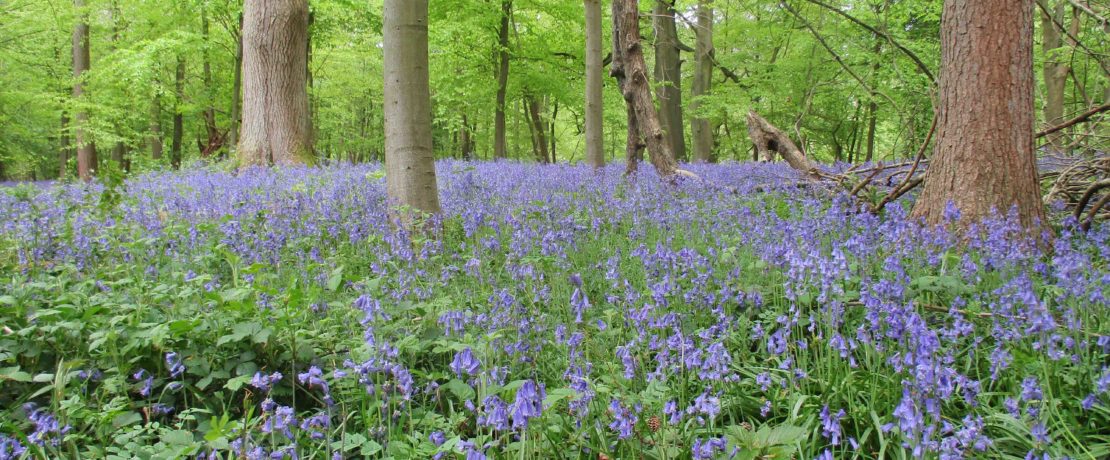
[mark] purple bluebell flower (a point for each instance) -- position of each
(465, 363)
(174, 364)
(624, 420)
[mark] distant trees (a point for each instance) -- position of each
(409, 160)
(276, 127)
(984, 156)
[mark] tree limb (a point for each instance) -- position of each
(1075, 121)
(916, 60)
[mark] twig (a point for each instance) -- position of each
(1090, 193)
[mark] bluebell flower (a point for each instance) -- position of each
(465, 363)
(624, 421)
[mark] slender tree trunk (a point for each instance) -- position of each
(275, 127)
(119, 150)
(64, 149)
(668, 77)
(499, 142)
(86, 150)
(595, 134)
(636, 88)
(236, 92)
(984, 157)
(703, 80)
(552, 138)
(1055, 72)
(466, 142)
(409, 160)
(538, 128)
(214, 140)
(155, 126)
(178, 118)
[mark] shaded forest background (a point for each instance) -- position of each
(162, 89)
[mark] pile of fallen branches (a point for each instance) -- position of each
(1083, 186)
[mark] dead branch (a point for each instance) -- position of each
(1075, 121)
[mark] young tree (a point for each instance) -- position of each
(178, 136)
(668, 76)
(499, 143)
(703, 82)
(86, 150)
(632, 73)
(984, 155)
(409, 160)
(595, 135)
(275, 127)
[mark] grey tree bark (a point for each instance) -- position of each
(64, 149)
(275, 127)
(984, 158)
(499, 143)
(595, 135)
(700, 127)
(668, 76)
(86, 150)
(409, 160)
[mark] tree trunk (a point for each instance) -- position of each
(499, 142)
(155, 137)
(633, 144)
(86, 150)
(984, 157)
(703, 81)
(595, 134)
(466, 141)
(236, 92)
(668, 77)
(409, 160)
(214, 141)
(119, 150)
(552, 138)
(275, 127)
(538, 129)
(769, 140)
(1055, 73)
(178, 118)
(635, 87)
(63, 149)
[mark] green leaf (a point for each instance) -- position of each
(14, 374)
(460, 389)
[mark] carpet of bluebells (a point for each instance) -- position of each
(551, 313)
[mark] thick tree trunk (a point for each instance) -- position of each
(236, 92)
(700, 127)
(984, 157)
(275, 127)
(633, 144)
(1055, 73)
(632, 73)
(668, 77)
(409, 160)
(499, 143)
(595, 135)
(86, 150)
(178, 118)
